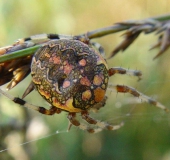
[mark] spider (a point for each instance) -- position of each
(70, 73)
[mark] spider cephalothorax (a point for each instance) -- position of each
(72, 76)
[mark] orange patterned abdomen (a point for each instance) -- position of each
(70, 75)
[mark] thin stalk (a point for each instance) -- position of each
(19, 54)
(117, 28)
(91, 34)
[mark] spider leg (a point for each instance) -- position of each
(3, 50)
(42, 110)
(120, 70)
(99, 48)
(31, 41)
(100, 125)
(99, 105)
(85, 115)
(134, 92)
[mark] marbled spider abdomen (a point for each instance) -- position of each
(70, 75)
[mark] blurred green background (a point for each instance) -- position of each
(146, 133)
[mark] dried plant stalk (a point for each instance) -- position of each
(14, 69)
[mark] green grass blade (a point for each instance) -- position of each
(19, 54)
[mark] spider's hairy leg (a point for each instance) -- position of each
(43, 38)
(134, 92)
(99, 48)
(99, 105)
(20, 101)
(120, 70)
(99, 125)
(3, 50)
(18, 45)
(28, 42)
